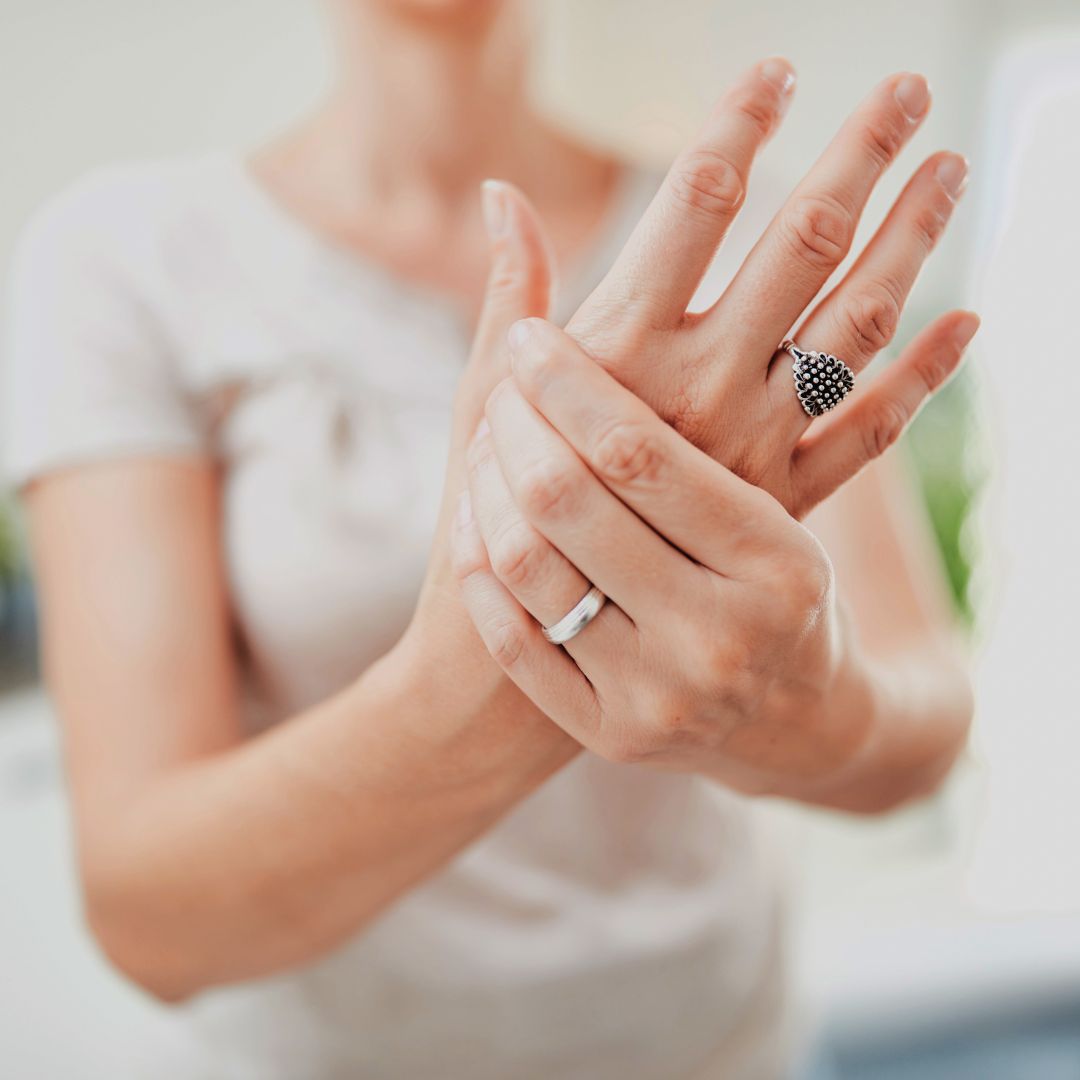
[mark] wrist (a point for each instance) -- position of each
(905, 719)
(441, 675)
(853, 708)
(840, 714)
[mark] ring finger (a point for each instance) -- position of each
(860, 316)
(540, 578)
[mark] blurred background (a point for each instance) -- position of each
(941, 942)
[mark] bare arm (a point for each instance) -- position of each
(207, 857)
(891, 583)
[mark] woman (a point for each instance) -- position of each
(307, 799)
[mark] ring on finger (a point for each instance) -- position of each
(577, 618)
(822, 380)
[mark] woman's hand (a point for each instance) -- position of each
(717, 379)
(721, 648)
(519, 285)
(717, 376)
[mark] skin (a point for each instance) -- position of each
(209, 857)
(575, 481)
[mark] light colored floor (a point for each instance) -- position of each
(885, 942)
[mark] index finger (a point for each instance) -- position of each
(667, 255)
(695, 503)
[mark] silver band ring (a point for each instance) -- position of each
(577, 618)
(821, 380)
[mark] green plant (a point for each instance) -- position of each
(944, 445)
(10, 546)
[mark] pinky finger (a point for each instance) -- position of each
(543, 673)
(834, 450)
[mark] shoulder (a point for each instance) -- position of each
(119, 211)
(122, 189)
(88, 361)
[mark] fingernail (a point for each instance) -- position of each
(965, 329)
(464, 510)
(952, 174)
(519, 333)
(483, 430)
(493, 201)
(780, 73)
(913, 95)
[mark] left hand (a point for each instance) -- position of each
(720, 647)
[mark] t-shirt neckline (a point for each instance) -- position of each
(625, 204)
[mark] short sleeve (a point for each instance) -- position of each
(86, 370)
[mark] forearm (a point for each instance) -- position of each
(919, 707)
(267, 855)
(904, 673)
(881, 730)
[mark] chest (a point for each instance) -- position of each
(332, 427)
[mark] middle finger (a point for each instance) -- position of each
(859, 317)
(814, 230)
(666, 256)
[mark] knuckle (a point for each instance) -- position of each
(661, 725)
(758, 515)
(503, 388)
(707, 182)
(872, 317)
(505, 642)
(625, 454)
(799, 582)
(615, 322)
(928, 225)
(464, 562)
(507, 277)
(626, 747)
(727, 659)
(667, 723)
(883, 139)
(538, 363)
(820, 231)
(884, 424)
(478, 453)
(669, 727)
(812, 583)
(731, 677)
(548, 490)
(935, 367)
(516, 555)
(545, 352)
(688, 405)
(760, 109)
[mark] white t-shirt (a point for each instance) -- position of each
(620, 922)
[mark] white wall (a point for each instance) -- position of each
(87, 81)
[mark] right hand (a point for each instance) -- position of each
(717, 377)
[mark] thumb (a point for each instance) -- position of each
(519, 285)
